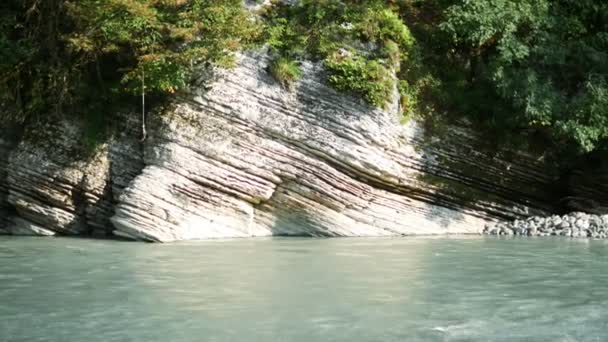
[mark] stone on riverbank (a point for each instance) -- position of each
(575, 224)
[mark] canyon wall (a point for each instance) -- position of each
(5, 148)
(52, 184)
(586, 184)
(241, 156)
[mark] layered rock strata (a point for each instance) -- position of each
(240, 156)
(5, 147)
(244, 157)
(53, 185)
(587, 184)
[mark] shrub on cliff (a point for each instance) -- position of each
(369, 78)
(362, 43)
(81, 56)
(286, 71)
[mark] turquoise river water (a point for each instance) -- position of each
(304, 290)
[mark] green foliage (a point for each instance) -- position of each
(378, 24)
(325, 30)
(547, 61)
(286, 71)
(367, 77)
(82, 56)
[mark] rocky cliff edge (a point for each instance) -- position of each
(241, 156)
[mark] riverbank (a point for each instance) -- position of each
(576, 224)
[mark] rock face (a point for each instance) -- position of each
(587, 184)
(5, 147)
(51, 184)
(243, 157)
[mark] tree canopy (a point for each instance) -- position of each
(61, 55)
(526, 68)
(547, 60)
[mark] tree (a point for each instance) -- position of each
(546, 60)
(79, 56)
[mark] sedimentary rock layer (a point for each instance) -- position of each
(5, 147)
(244, 157)
(241, 156)
(587, 184)
(52, 184)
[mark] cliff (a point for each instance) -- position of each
(587, 184)
(241, 156)
(5, 148)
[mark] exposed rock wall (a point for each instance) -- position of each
(587, 184)
(52, 184)
(241, 156)
(244, 157)
(5, 147)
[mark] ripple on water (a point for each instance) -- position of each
(471, 289)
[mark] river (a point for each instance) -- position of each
(406, 289)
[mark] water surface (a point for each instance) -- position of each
(407, 289)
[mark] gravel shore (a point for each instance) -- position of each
(576, 224)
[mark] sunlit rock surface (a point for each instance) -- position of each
(242, 156)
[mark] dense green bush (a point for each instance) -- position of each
(81, 56)
(356, 73)
(285, 71)
(362, 43)
(546, 60)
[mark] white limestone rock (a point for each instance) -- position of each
(26, 228)
(240, 156)
(245, 157)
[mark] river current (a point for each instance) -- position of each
(304, 290)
